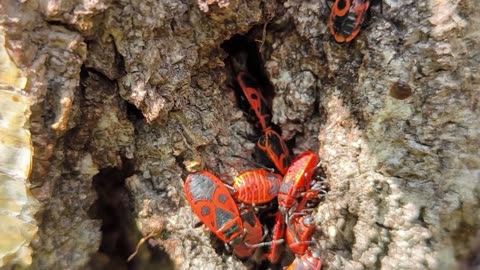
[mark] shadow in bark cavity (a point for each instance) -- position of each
(466, 243)
(120, 234)
(134, 114)
(243, 55)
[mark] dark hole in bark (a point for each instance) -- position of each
(243, 55)
(243, 44)
(119, 60)
(134, 114)
(120, 234)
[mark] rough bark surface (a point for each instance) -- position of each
(128, 97)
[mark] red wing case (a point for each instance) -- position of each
(297, 179)
(255, 98)
(300, 238)
(211, 201)
(272, 149)
(278, 233)
(253, 234)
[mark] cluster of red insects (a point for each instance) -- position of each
(230, 212)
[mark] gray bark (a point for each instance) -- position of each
(128, 97)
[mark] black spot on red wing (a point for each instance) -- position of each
(254, 96)
(205, 210)
(249, 217)
(341, 4)
(222, 198)
(201, 187)
(222, 217)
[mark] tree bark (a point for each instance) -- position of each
(128, 97)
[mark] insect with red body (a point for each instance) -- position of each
(256, 186)
(296, 185)
(346, 18)
(253, 235)
(259, 186)
(309, 261)
(300, 238)
(277, 240)
(255, 98)
(272, 149)
(278, 233)
(213, 203)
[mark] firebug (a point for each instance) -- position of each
(300, 238)
(346, 18)
(212, 202)
(296, 184)
(272, 149)
(258, 104)
(256, 186)
(278, 233)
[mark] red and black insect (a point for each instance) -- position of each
(309, 261)
(256, 186)
(300, 238)
(273, 151)
(253, 234)
(296, 185)
(346, 18)
(258, 104)
(211, 201)
(261, 186)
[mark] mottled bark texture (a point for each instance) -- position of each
(130, 96)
